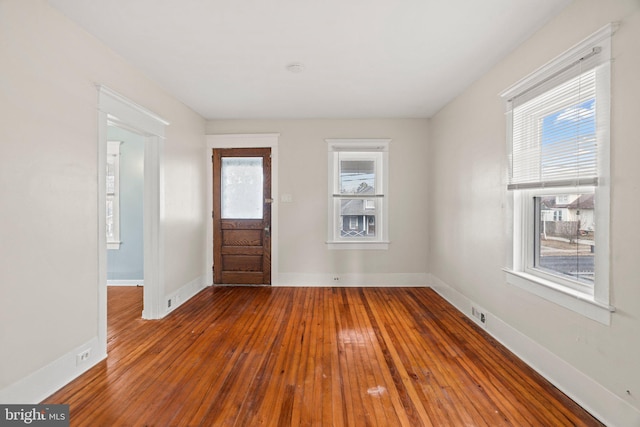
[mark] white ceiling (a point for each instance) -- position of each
(362, 58)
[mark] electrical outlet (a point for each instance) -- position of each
(169, 303)
(480, 315)
(336, 278)
(83, 357)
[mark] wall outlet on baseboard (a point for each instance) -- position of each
(83, 356)
(336, 278)
(479, 314)
(173, 302)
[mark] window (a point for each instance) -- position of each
(558, 141)
(369, 204)
(563, 244)
(353, 224)
(241, 187)
(358, 177)
(113, 194)
(557, 215)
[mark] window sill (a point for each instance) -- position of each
(361, 245)
(579, 302)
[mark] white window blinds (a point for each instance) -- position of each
(556, 117)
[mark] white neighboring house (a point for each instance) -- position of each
(582, 209)
(570, 207)
(554, 208)
(358, 216)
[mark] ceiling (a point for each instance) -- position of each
(227, 59)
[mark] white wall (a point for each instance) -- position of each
(48, 184)
(303, 255)
(470, 219)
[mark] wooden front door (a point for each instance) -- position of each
(242, 216)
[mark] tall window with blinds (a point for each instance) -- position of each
(558, 149)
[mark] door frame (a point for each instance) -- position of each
(118, 110)
(254, 140)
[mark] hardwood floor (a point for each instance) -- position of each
(249, 356)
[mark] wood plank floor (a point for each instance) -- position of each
(249, 356)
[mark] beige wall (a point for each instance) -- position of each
(470, 219)
(302, 173)
(48, 183)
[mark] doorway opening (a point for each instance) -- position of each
(124, 211)
(115, 110)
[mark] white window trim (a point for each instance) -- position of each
(568, 298)
(113, 150)
(590, 304)
(594, 305)
(359, 144)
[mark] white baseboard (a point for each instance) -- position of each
(603, 404)
(353, 280)
(125, 282)
(42, 383)
(183, 294)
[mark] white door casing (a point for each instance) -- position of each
(116, 109)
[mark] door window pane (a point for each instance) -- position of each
(242, 187)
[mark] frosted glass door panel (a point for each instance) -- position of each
(241, 188)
